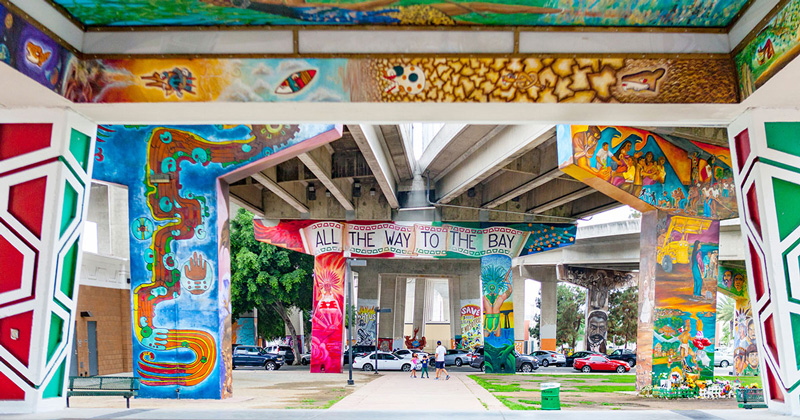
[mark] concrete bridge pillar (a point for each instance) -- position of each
(546, 275)
(46, 157)
(766, 166)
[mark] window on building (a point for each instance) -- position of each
(437, 299)
(410, 291)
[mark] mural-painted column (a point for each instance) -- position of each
(767, 170)
(179, 241)
(680, 264)
(327, 323)
(733, 283)
(45, 159)
(549, 315)
(498, 314)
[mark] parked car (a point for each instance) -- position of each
(285, 351)
(625, 355)
(524, 363)
(578, 355)
(406, 353)
(386, 361)
(256, 356)
(600, 362)
(547, 358)
(723, 358)
(359, 350)
(305, 359)
(456, 357)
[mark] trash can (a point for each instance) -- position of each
(550, 396)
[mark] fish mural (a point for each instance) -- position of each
(35, 54)
(296, 82)
(643, 80)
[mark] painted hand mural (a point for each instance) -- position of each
(181, 303)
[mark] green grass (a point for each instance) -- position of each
(508, 402)
(308, 401)
(604, 388)
(746, 380)
(331, 402)
(530, 402)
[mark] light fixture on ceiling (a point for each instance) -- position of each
(471, 192)
(372, 192)
(311, 193)
(327, 193)
(356, 189)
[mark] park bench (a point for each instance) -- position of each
(750, 398)
(103, 385)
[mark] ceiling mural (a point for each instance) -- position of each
(659, 13)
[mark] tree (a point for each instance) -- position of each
(535, 328)
(725, 314)
(570, 313)
(623, 312)
(268, 278)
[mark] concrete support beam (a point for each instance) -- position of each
(400, 151)
(519, 307)
(280, 192)
(318, 161)
(509, 144)
(547, 323)
(369, 141)
(436, 147)
(247, 206)
(522, 189)
(575, 195)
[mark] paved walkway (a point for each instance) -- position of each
(397, 391)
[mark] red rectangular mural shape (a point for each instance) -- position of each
(327, 322)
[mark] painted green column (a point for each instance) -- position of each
(498, 314)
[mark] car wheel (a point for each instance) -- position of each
(459, 362)
(620, 369)
(483, 368)
(666, 264)
(367, 368)
(270, 366)
(724, 364)
(545, 363)
(586, 369)
(526, 367)
(406, 368)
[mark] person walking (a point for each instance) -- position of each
(440, 352)
(414, 365)
(424, 367)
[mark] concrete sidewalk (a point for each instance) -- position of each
(396, 391)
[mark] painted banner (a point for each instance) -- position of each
(179, 242)
(390, 239)
(471, 326)
(498, 314)
(327, 326)
(386, 344)
(685, 304)
(647, 171)
(775, 45)
(244, 331)
(366, 322)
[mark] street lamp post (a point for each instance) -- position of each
(377, 317)
(349, 278)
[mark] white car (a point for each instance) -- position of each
(723, 359)
(408, 353)
(386, 361)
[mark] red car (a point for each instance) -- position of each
(600, 362)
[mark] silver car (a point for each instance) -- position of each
(547, 358)
(456, 357)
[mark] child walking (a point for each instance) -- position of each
(414, 365)
(424, 367)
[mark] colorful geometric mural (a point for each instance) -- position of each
(391, 12)
(180, 280)
(647, 171)
(684, 312)
(767, 169)
(327, 326)
(773, 47)
(471, 325)
(45, 162)
(498, 314)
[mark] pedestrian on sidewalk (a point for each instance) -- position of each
(440, 352)
(424, 367)
(414, 365)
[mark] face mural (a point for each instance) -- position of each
(498, 314)
(180, 269)
(327, 328)
(680, 176)
(732, 281)
(685, 297)
(389, 12)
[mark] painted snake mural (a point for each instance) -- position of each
(186, 217)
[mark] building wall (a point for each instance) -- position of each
(110, 308)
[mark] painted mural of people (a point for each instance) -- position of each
(698, 269)
(491, 310)
(685, 348)
(623, 164)
(738, 282)
(584, 144)
(601, 157)
(739, 361)
(727, 279)
(752, 361)
(596, 331)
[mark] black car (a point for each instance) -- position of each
(524, 363)
(625, 355)
(285, 351)
(578, 355)
(257, 357)
(359, 350)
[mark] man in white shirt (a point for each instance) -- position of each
(440, 352)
